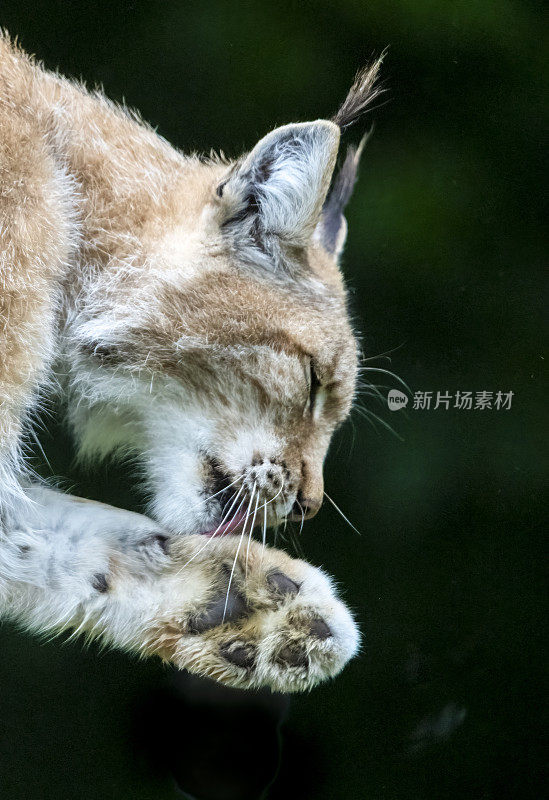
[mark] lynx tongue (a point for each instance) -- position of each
(228, 527)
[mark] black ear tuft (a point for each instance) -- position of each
(361, 94)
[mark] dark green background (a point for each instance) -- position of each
(444, 259)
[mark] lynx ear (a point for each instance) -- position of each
(331, 230)
(279, 188)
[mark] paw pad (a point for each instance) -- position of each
(319, 629)
(239, 653)
(221, 609)
(293, 657)
(281, 584)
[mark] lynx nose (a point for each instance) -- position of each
(305, 507)
(311, 490)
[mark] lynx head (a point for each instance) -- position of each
(243, 359)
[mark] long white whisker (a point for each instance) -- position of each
(248, 512)
(375, 391)
(229, 511)
(238, 550)
(232, 570)
(232, 524)
(251, 529)
(388, 372)
(365, 384)
(285, 516)
(384, 354)
(264, 534)
(337, 508)
(212, 537)
(297, 544)
(366, 413)
(268, 502)
(223, 490)
(264, 538)
(275, 533)
(302, 516)
(377, 395)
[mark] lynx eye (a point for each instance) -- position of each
(314, 384)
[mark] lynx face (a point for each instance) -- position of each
(258, 402)
(235, 335)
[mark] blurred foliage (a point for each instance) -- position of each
(444, 261)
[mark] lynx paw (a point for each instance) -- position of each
(276, 623)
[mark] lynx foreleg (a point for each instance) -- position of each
(243, 615)
(60, 557)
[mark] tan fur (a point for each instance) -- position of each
(125, 259)
(192, 313)
(34, 248)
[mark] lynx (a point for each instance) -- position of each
(191, 313)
